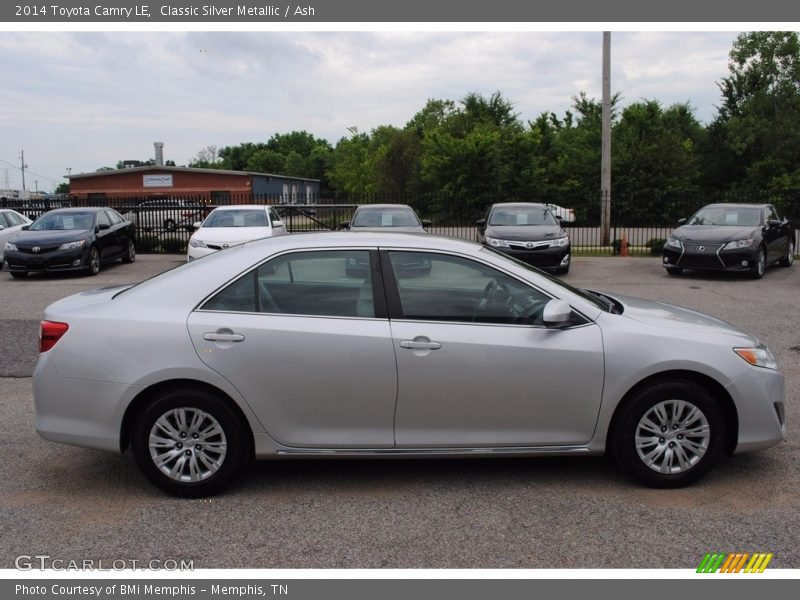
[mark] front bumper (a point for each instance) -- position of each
(759, 397)
(195, 253)
(543, 258)
(15, 261)
(709, 257)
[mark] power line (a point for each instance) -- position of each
(17, 167)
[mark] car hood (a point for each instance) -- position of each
(530, 233)
(231, 235)
(29, 239)
(678, 319)
(714, 233)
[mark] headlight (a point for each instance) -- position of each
(738, 244)
(495, 243)
(760, 356)
(10, 246)
(72, 245)
(674, 242)
(562, 241)
(197, 243)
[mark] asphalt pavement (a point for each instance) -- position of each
(77, 504)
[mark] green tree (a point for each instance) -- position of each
(760, 112)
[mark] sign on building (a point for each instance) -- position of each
(150, 181)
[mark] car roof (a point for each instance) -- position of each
(736, 205)
(383, 206)
(79, 209)
(243, 206)
(520, 205)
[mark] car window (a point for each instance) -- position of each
(273, 216)
(102, 218)
(12, 219)
(441, 287)
(335, 283)
(3, 221)
(113, 217)
(770, 214)
(385, 217)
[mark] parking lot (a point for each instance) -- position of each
(77, 504)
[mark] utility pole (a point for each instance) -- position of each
(605, 168)
(22, 160)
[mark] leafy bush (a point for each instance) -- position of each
(173, 245)
(147, 244)
(656, 245)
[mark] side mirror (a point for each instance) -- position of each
(197, 224)
(102, 227)
(426, 223)
(774, 223)
(25, 227)
(481, 222)
(344, 225)
(559, 218)
(681, 221)
(556, 313)
(277, 224)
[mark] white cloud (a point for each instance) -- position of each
(84, 100)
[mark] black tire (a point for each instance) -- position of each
(760, 265)
(787, 260)
(700, 451)
(170, 225)
(130, 254)
(674, 270)
(19, 274)
(93, 262)
(235, 437)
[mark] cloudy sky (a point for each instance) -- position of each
(83, 100)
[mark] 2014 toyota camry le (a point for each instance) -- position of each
(275, 349)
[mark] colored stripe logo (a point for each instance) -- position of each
(738, 562)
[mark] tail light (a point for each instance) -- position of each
(49, 334)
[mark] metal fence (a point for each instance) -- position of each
(164, 225)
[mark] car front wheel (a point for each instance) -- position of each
(93, 263)
(669, 434)
(760, 264)
(189, 443)
(787, 260)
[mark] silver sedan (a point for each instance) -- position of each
(280, 349)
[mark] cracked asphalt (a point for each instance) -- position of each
(73, 503)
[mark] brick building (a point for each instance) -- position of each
(213, 186)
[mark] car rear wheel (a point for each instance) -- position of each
(669, 435)
(189, 443)
(93, 264)
(130, 255)
(787, 260)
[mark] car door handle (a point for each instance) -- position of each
(223, 337)
(420, 345)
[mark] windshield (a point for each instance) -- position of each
(385, 217)
(521, 216)
(63, 221)
(727, 215)
(237, 218)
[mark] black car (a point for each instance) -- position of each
(71, 239)
(731, 237)
(529, 232)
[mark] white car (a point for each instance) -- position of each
(11, 223)
(227, 226)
